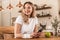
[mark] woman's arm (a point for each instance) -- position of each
(36, 28)
(34, 34)
(18, 31)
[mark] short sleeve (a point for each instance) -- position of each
(19, 20)
(36, 20)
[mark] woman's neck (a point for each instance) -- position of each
(28, 16)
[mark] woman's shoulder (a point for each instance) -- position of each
(19, 19)
(36, 18)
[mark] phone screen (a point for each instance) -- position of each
(40, 30)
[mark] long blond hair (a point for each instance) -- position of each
(25, 17)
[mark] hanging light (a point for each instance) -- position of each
(9, 6)
(1, 8)
(19, 4)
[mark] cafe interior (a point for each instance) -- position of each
(47, 12)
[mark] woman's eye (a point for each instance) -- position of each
(28, 7)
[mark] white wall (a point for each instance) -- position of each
(14, 11)
(8, 14)
(0, 19)
(59, 4)
(0, 13)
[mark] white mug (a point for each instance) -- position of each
(26, 36)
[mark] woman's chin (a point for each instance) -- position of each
(27, 14)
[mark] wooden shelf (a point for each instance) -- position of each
(48, 15)
(43, 8)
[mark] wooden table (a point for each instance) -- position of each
(52, 38)
(1, 39)
(11, 30)
(7, 29)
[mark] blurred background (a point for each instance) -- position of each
(48, 13)
(46, 10)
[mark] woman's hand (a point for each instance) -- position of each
(35, 35)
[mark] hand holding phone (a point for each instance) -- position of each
(40, 30)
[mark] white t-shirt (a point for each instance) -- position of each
(27, 28)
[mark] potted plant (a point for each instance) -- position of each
(55, 24)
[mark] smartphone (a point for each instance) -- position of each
(40, 30)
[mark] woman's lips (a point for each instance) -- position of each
(28, 11)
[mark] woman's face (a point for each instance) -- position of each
(28, 9)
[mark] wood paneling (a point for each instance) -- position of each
(7, 29)
(52, 38)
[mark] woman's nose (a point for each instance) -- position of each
(26, 9)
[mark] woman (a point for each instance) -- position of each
(26, 23)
